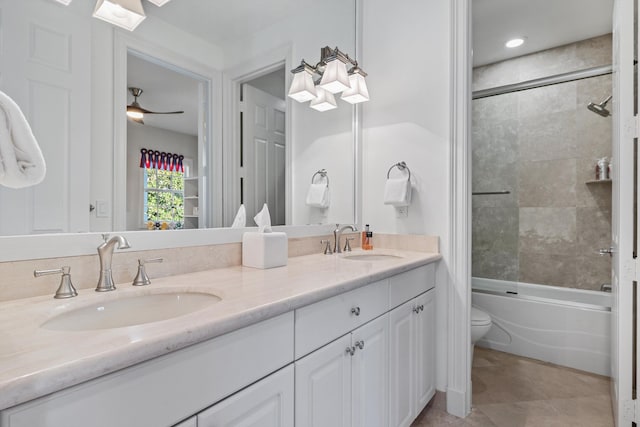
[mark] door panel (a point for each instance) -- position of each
(267, 403)
(401, 360)
(323, 386)
(370, 374)
(51, 82)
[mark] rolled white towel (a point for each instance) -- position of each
(397, 192)
(240, 221)
(318, 196)
(21, 161)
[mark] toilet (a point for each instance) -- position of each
(480, 325)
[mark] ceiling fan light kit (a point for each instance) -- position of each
(136, 112)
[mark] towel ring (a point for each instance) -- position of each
(402, 166)
(323, 174)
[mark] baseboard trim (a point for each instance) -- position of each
(457, 403)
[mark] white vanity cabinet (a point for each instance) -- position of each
(411, 358)
(363, 358)
(267, 403)
(345, 382)
(165, 390)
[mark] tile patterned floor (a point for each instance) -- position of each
(512, 391)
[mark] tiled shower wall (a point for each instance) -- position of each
(541, 145)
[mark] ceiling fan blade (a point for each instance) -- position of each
(164, 112)
(135, 107)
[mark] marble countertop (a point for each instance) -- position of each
(36, 361)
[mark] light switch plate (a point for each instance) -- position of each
(102, 209)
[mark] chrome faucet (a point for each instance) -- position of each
(336, 236)
(105, 252)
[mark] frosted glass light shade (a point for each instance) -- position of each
(127, 14)
(358, 91)
(302, 88)
(159, 3)
(335, 78)
(64, 2)
(324, 101)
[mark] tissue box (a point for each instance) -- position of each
(264, 250)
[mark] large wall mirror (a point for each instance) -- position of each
(225, 64)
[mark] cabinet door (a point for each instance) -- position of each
(323, 386)
(370, 374)
(425, 350)
(267, 403)
(401, 360)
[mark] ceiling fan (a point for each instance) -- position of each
(136, 113)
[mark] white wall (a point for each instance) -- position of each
(141, 136)
(406, 53)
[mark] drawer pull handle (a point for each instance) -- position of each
(416, 310)
(360, 344)
(350, 351)
(355, 311)
(421, 307)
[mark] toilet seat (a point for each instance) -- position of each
(479, 317)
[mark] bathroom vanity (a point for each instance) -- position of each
(325, 341)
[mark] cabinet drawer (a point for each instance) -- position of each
(324, 321)
(409, 284)
(166, 389)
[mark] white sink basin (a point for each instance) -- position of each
(131, 311)
(371, 257)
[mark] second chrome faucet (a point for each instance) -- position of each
(105, 252)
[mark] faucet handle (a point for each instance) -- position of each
(347, 245)
(66, 289)
(141, 278)
(105, 237)
(327, 248)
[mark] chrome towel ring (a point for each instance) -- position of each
(323, 174)
(402, 166)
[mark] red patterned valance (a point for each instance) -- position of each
(153, 159)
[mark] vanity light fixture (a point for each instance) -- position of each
(64, 2)
(159, 3)
(514, 42)
(333, 78)
(302, 87)
(127, 14)
(325, 100)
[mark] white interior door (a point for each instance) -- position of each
(624, 275)
(264, 154)
(49, 78)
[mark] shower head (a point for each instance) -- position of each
(601, 108)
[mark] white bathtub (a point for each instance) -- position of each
(565, 326)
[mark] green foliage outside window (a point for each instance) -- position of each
(163, 196)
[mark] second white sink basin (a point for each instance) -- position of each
(131, 311)
(371, 257)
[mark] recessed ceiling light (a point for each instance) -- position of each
(514, 43)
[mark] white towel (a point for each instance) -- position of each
(397, 192)
(21, 161)
(240, 221)
(318, 195)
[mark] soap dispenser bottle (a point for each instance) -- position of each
(367, 239)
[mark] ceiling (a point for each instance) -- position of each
(219, 20)
(544, 23)
(164, 90)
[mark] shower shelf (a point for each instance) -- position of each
(598, 181)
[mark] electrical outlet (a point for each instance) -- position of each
(402, 212)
